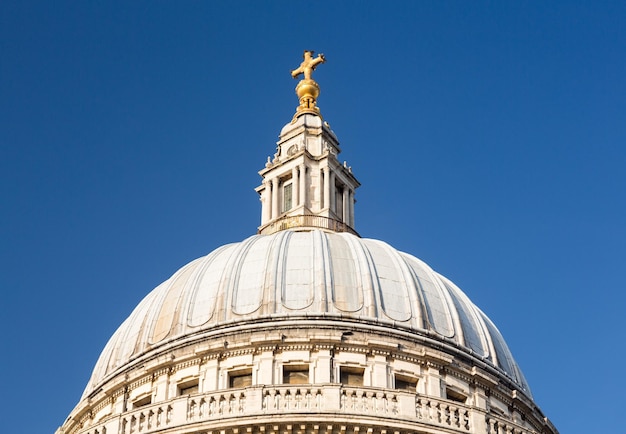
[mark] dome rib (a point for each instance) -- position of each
(394, 293)
(203, 301)
(436, 307)
(297, 287)
(479, 339)
(344, 275)
(321, 265)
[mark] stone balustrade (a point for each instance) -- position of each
(370, 401)
(263, 401)
(145, 420)
(306, 221)
(442, 413)
(496, 425)
(292, 398)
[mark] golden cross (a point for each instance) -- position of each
(308, 65)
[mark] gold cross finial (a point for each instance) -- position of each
(307, 89)
(308, 65)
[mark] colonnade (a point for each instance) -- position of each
(272, 197)
(334, 197)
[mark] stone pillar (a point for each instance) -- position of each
(266, 202)
(477, 418)
(265, 368)
(433, 382)
(346, 205)
(161, 384)
(351, 223)
(379, 371)
(211, 375)
(333, 190)
(119, 401)
(325, 172)
(295, 181)
(323, 367)
(303, 186)
(274, 198)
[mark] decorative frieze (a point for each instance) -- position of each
(140, 382)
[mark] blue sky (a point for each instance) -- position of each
(489, 138)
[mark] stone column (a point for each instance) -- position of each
(351, 223)
(303, 186)
(274, 198)
(295, 181)
(333, 189)
(266, 202)
(325, 172)
(346, 205)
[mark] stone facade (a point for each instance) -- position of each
(307, 377)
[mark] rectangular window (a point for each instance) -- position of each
(351, 376)
(453, 395)
(287, 197)
(408, 384)
(142, 402)
(188, 388)
(240, 379)
(295, 374)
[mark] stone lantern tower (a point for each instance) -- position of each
(304, 185)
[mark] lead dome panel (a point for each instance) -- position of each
(291, 274)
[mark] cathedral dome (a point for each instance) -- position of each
(306, 328)
(301, 277)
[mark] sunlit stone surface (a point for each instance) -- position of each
(306, 328)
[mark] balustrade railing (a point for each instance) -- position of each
(442, 413)
(368, 401)
(306, 221)
(259, 401)
(144, 420)
(501, 426)
(216, 405)
(292, 398)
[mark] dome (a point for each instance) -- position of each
(306, 276)
(306, 328)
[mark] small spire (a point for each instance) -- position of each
(307, 89)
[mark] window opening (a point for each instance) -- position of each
(188, 388)
(408, 384)
(287, 197)
(240, 379)
(142, 402)
(453, 395)
(339, 201)
(351, 376)
(295, 374)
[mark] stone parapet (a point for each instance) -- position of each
(248, 409)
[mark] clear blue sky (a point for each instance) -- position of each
(489, 138)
